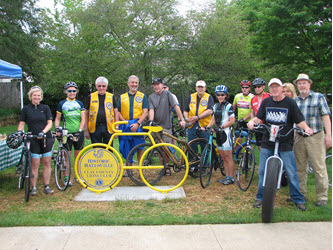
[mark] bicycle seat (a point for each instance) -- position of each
(153, 128)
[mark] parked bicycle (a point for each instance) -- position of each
(210, 159)
(15, 140)
(247, 162)
(273, 171)
(158, 156)
(62, 160)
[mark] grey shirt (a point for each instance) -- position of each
(161, 104)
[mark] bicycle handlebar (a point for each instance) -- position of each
(268, 128)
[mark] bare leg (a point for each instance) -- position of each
(34, 170)
(46, 169)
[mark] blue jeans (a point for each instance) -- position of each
(289, 165)
(193, 134)
(101, 135)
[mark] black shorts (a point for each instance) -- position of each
(37, 145)
(78, 145)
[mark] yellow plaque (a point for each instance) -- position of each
(98, 168)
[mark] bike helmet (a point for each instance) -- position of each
(70, 84)
(221, 88)
(245, 82)
(14, 140)
(259, 82)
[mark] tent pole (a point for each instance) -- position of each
(21, 92)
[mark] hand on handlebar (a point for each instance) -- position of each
(251, 125)
(182, 124)
(40, 135)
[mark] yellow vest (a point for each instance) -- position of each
(137, 105)
(93, 110)
(203, 105)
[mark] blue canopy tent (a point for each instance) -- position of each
(12, 71)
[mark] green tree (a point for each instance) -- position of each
(293, 36)
(19, 30)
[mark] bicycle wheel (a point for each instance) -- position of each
(206, 166)
(217, 161)
(27, 176)
(270, 189)
(61, 168)
(22, 173)
(193, 152)
(246, 168)
(154, 157)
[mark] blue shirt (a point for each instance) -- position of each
(313, 107)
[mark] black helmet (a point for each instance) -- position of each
(259, 82)
(14, 140)
(70, 84)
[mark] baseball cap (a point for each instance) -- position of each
(157, 80)
(275, 80)
(166, 85)
(200, 83)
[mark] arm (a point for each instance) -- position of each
(229, 123)
(247, 117)
(21, 126)
(83, 120)
(151, 114)
(305, 127)
(135, 126)
(180, 116)
(47, 127)
(86, 131)
(328, 129)
(253, 121)
(252, 113)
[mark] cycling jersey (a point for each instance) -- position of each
(71, 111)
(255, 103)
(243, 104)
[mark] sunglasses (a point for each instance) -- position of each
(220, 94)
(101, 86)
(164, 87)
(245, 87)
(71, 91)
(257, 87)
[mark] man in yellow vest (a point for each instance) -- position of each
(101, 113)
(198, 110)
(133, 107)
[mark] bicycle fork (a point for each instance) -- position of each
(271, 159)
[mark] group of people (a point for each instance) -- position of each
(94, 121)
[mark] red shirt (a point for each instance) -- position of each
(255, 103)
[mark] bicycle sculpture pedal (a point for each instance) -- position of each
(99, 167)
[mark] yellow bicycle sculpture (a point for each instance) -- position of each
(99, 167)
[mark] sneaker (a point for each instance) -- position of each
(257, 204)
(300, 206)
(321, 203)
(33, 191)
(228, 181)
(222, 180)
(48, 190)
(69, 183)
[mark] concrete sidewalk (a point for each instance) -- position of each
(301, 235)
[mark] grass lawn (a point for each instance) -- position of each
(214, 205)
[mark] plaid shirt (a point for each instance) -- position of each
(313, 107)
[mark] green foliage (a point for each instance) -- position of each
(294, 35)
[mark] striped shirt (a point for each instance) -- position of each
(313, 107)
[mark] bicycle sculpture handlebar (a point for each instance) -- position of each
(99, 167)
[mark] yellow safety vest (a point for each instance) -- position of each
(137, 105)
(93, 111)
(203, 105)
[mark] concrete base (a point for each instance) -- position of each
(130, 193)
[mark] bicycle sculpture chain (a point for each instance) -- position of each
(99, 167)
